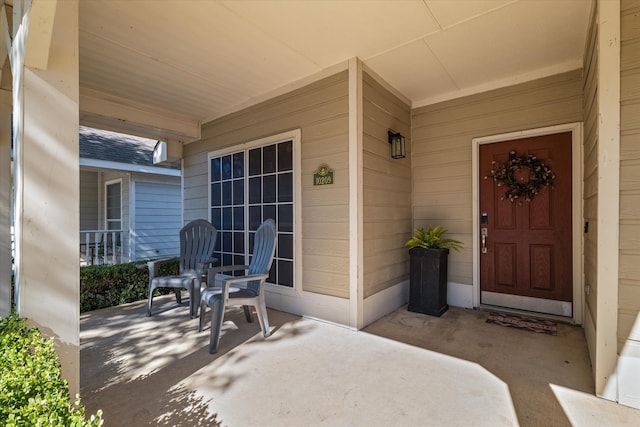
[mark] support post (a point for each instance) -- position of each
(5, 202)
(47, 185)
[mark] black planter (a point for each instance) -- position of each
(428, 281)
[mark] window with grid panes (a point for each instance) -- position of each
(247, 188)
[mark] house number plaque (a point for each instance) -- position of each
(323, 175)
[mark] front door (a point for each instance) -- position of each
(526, 253)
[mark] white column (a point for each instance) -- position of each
(356, 239)
(5, 202)
(608, 198)
(48, 191)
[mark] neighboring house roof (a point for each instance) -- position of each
(112, 150)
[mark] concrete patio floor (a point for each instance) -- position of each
(406, 369)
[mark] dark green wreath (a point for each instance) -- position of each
(540, 176)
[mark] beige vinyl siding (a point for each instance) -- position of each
(590, 179)
(320, 111)
(386, 189)
(629, 289)
(442, 150)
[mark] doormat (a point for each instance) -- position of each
(534, 325)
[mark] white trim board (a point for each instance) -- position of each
(356, 238)
(627, 370)
(105, 164)
(577, 217)
(309, 304)
(289, 87)
(384, 302)
(553, 70)
(336, 310)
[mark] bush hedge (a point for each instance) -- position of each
(104, 286)
(32, 391)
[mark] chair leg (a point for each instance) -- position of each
(247, 313)
(194, 298)
(178, 292)
(150, 300)
(203, 310)
(261, 309)
(217, 315)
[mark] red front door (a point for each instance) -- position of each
(527, 260)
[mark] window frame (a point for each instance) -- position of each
(106, 203)
(295, 137)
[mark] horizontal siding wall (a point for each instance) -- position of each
(320, 110)
(442, 151)
(157, 220)
(629, 289)
(387, 189)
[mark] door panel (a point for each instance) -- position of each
(529, 245)
(505, 260)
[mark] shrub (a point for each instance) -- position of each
(32, 391)
(104, 286)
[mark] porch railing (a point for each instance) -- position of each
(101, 247)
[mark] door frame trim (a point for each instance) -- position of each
(576, 201)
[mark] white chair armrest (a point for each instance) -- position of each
(228, 280)
(226, 268)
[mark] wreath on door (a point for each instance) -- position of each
(524, 175)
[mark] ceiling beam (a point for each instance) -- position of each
(105, 111)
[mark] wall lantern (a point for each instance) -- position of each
(397, 145)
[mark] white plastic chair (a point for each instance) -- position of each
(247, 290)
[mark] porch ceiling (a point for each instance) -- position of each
(161, 68)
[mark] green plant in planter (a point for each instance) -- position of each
(433, 239)
(428, 270)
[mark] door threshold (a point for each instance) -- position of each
(525, 313)
(530, 304)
